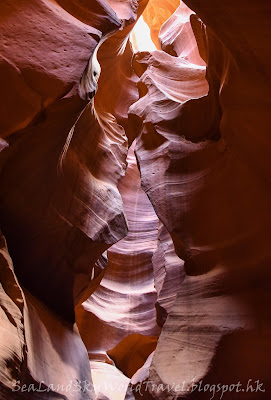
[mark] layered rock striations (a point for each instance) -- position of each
(119, 319)
(120, 322)
(169, 282)
(207, 180)
(42, 356)
(53, 172)
(156, 13)
(54, 180)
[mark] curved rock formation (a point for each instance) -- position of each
(200, 180)
(124, 303)
(156, 13)
(51, 184)
(170, 284)
(41, 355)
(177, 37)
(119, 322)
(168, 274)
(54, 179)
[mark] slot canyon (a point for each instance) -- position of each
(135, 200)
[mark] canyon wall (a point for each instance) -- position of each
(134, 200)
(203, 157)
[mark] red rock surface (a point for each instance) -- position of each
(168, 271)
(119, 323)
(177, 37)
(51, 183)
(54, 180)
(124, 303)
(41, 355)
(156, 13)
(207, 179)
(170, 281)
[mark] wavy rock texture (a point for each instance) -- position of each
(124, 303)
(118, 94)
(217, 332)
(204, 178)
(199, 110)
(12, 331)
(168, 270)
(54, 181)
(53, 174)
(41, 355)
(156, 13)
(176, 36)
(119, 323)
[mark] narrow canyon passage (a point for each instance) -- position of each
(121, 321)
(123, 305)
(135, 200)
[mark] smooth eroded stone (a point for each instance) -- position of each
(123, 305)
(41, 355)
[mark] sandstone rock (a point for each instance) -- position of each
(41, 355)
(212, 336)
(168, 270)
(156, 13)
(116, 95)
(12, 343)
(109, 383)
(211, 199)
(195, 263)
(130, 353)
(124, 302)
(177, 37)
(47, 213)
